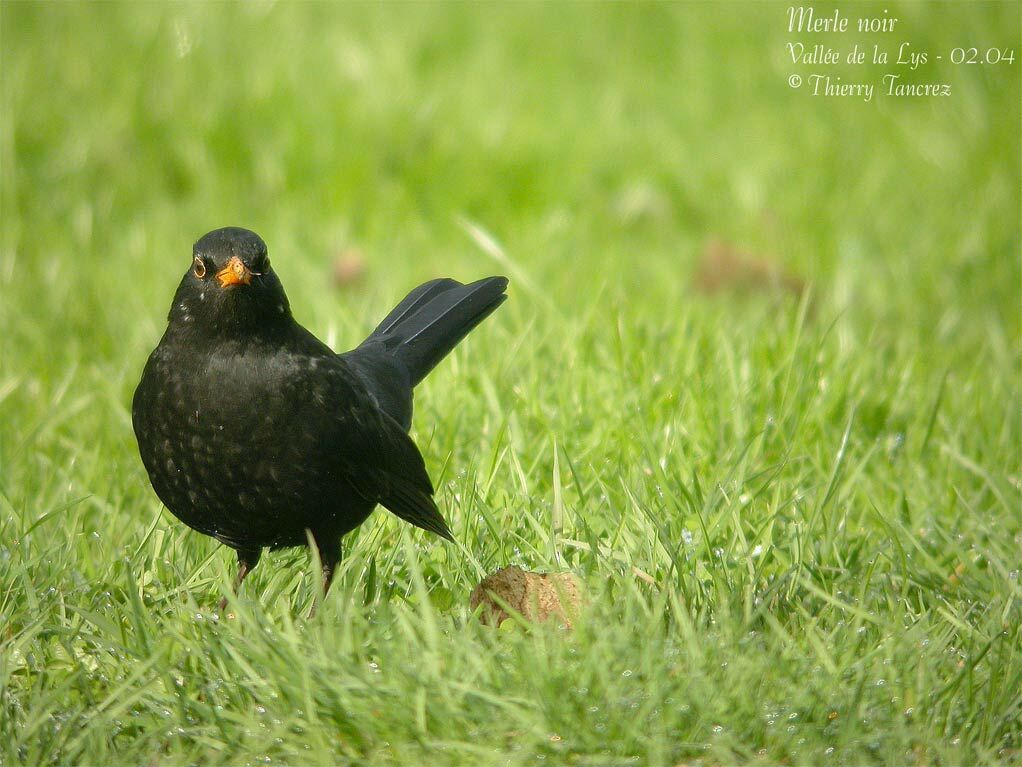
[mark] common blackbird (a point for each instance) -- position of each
(255, 432)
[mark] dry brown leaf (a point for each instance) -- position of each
(535, 596)
(725, 268)
(349, 268)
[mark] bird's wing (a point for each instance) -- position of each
(378, 459)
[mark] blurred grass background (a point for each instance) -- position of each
(819, 485)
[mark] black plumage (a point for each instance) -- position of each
(255, 432)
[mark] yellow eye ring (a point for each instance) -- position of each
(199, 268)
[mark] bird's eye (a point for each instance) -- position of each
(199, 267)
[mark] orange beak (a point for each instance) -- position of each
(235, 273)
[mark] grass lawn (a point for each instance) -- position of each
(758, 384)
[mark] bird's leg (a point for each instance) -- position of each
(329, 556)
(247, 560)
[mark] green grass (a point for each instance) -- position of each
(798, 520)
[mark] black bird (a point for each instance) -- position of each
(255, 432)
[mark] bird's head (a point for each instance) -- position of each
(230, 285)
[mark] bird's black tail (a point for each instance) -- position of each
(431, 320)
